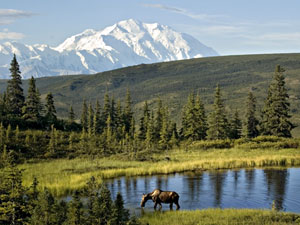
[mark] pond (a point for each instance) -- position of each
(253, 188)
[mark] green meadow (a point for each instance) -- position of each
(221, 217)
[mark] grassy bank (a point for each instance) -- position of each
(221, 217)
(63, 175)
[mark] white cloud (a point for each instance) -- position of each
(8, 16)
(11, 35)
(184, 12)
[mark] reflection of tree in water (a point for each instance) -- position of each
(158, 182)
(146, 184)
(276, 182)
(236, 176)
(250, 178)
(128, 186)
(162, 182)
(217, 181)
(134, 181)
(194, 182)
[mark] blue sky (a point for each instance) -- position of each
(229, 26)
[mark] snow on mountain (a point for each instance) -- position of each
(126, 43)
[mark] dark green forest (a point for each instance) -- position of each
(31, 129)
(172, 82)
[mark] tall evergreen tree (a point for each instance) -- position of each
(164, 134)
(251, 122)
(90, 120)
(276, 113)
(113, 114)
(106, 110)
(97, 119)
(128, 114)
(218, 123)
(105, 205)
(71, 116)
(33, 105)
(150, 134)
(13, 204)
(235, 126)
(84, 115)
(44, 213)
(76, 211)
(144, 122)
(14, 94)
(158, 119)
(50, 109)
(120, 215)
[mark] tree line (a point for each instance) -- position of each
(22, 205)
(31, 129)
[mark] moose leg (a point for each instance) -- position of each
(177, 205)
(171, 206)
(160, 206)
(155, 205)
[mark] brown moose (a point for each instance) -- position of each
(158, 196)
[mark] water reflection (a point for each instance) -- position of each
(276, 181)
(217, 180)
(226, 189)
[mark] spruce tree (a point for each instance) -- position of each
(276, 113)
(218, 124)
(13, 202)
(164, 135)
(144, 122)
(105, 205)
(91, 191)
(14, 93)
(128, 114)
(33, 106)
(200, 119)
(194, 124)
(76, 211)
(97, 119)
(50, 109)
(71, 117)
(84, 116)
(90, 120)
(44, 213)
(158, 119)
(106, 111)
(120, 215)
(113, 114)
(150, 134)
(235, 126)
(251, 122)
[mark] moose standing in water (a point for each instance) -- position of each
(159, 196)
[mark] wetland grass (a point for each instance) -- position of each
(62, 176)
(221, 217)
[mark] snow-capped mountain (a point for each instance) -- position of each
(126, 43)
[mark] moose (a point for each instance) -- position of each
(158, 196)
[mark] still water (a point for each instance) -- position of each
(255, 188)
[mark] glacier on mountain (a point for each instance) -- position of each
(126, 43)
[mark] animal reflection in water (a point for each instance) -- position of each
(159, 196)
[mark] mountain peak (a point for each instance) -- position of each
(128, 42)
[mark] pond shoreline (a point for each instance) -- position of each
(63, 176)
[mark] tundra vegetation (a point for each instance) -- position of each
(63, 154)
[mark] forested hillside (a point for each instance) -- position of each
(173, 81)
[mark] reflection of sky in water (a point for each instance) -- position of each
(225, 189)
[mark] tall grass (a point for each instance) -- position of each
(221, 217)
(63, 176)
